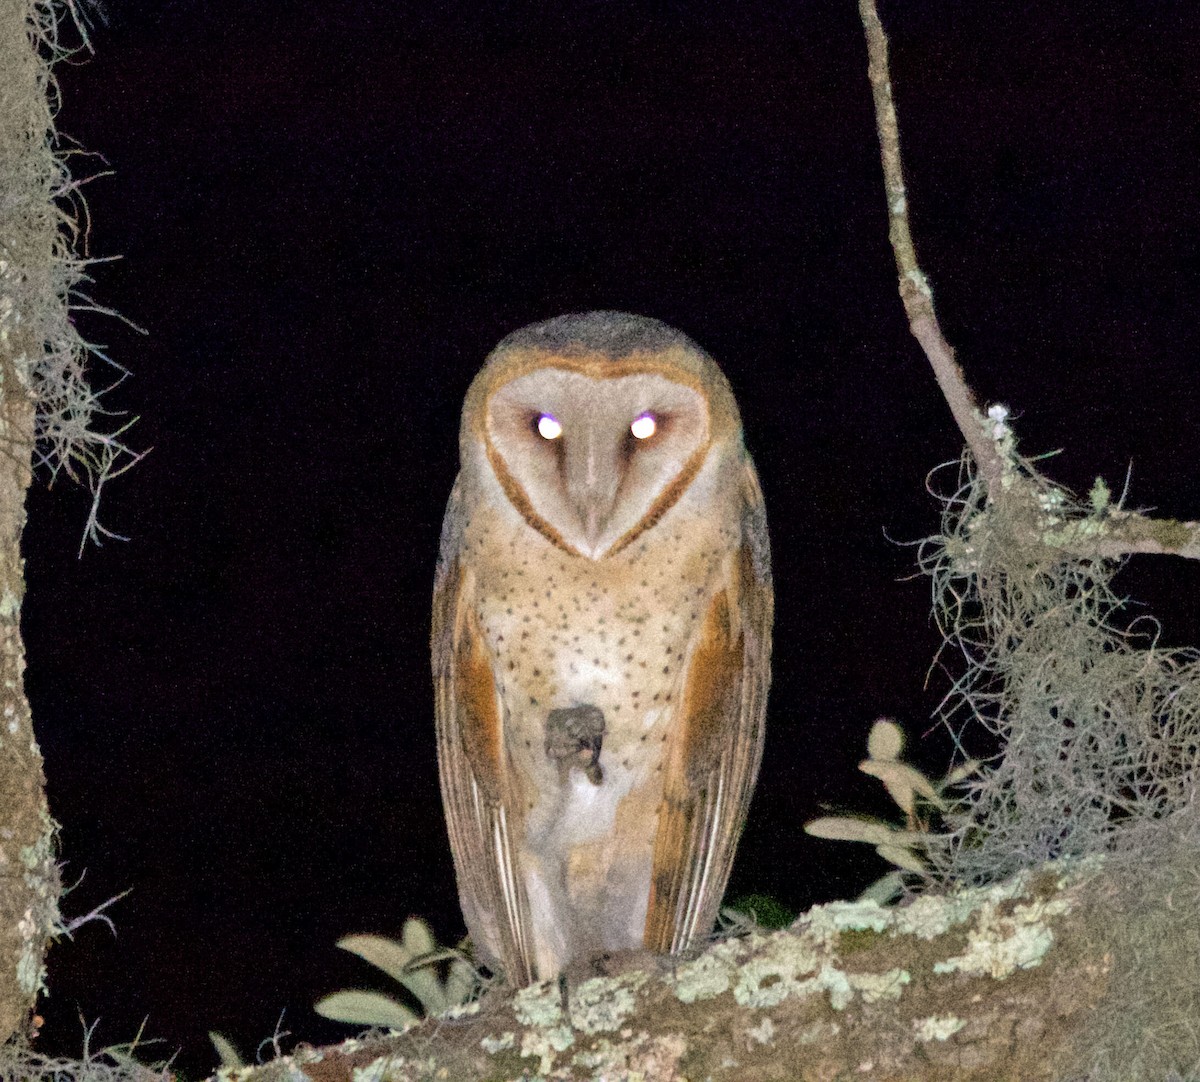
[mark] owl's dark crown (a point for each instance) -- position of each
(608, 334)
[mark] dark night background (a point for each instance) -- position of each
(329, 213)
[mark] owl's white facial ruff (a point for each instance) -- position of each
(600, 471)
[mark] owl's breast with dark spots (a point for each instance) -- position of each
(567, 632)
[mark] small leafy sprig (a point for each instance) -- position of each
(411, 961)
(917, 796)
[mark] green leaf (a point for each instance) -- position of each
(420, 977)
(386, 954)
(418, 937)
(886, 740)
(397, 961)
(956, 775)
(228, 1054)
(901, 782)
(844, 828)
(884, 889)
(362, 1008)
(460, 984)
(902, 857)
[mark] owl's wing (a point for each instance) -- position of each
(713, 759)
(473, 766)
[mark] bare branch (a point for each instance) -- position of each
(1126, 532)
(1117, 534)
(914, 287)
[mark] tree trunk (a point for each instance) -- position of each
(29, 880)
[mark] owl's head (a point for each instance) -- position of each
(595, 424)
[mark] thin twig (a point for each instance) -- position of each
(1121, 532)
(914, 287)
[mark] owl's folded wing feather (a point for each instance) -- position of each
(473, 768)
(716, 749)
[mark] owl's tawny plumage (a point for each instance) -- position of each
(601, 643)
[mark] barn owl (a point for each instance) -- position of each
(601, 643)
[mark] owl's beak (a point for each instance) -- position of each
(594, 522)
(593, 476)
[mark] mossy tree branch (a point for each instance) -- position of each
(29, 880)
(1123, 532)
(995, 984)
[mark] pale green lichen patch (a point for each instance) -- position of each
(10, 605)
(635, 1058)
(836, 983)
(600, 1056)
(31, 973)
(594, 1008)
(796, 966)
(599, 1005)
(35, 855)
(987, 955)
(937, 1027)
(539, 1005)
(1006, 935)
(41, 920)
(878, 986)
(378, 1070)
(546, 1045)
(492, 1045)
(778, 971)
(607, 1055)
(831, 920)
(930, 916)
(709, 975)
(603, 1003)
(461, 1010)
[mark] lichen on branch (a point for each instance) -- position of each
(44, 267)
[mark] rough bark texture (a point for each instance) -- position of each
(997, 983)
(29, 883)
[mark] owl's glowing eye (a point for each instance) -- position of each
(548, 426)
(644, 426)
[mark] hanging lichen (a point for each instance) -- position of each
(1097, 725)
